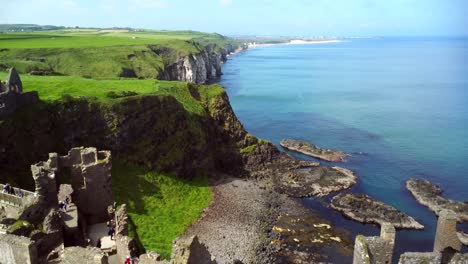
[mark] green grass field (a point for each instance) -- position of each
(101, 38)
(161, 206)
(51, 88)
(101, 54)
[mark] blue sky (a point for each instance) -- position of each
(254, 17)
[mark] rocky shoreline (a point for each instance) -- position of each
(312, 150)
(429, 194)
(294, 177)
(365, 209)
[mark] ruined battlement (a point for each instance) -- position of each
(447, 244)
(376, 249)
(12, 96)
(71, 235)
(89, 171)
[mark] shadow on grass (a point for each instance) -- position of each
(131, 186)
(161, 206)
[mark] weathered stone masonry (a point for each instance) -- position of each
(90, 173)
(12, 96)
(63, 238)
(379, 250)
(17, 250)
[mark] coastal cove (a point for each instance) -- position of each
(379, 100)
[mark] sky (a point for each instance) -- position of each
(252, 17)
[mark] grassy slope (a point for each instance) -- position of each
(100, 54)
(51, 88)
(161, 206)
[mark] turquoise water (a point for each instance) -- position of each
(399, 106)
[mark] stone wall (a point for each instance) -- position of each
(17, 250)
(90, 179)
(126, 246)
(73, 255)
(91, 182)
(375, 249)
(12, 96)
(417, 257)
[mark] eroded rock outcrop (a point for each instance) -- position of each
(199, 67)
(429, 194)
(365, 209)
(315, 181)
(312, 150)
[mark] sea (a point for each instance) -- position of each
(399, 106)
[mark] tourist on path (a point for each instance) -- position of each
(111, 233)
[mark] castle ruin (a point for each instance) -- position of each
(33, 230)
(12, 96)
(447, 245)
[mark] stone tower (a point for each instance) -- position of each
(14, 81)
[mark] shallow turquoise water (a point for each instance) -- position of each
(400, 106)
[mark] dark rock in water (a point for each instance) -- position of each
(365, 209)
(429, 194)
(310, 149)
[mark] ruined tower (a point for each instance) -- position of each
(12, 96)
(446, 240)
(14, 81)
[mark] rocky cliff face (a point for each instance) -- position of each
(198, 68)
(154, 130)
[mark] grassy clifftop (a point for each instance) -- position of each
(59, 88)
(102, 53)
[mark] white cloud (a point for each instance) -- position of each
(225, 2)
(150, 3)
